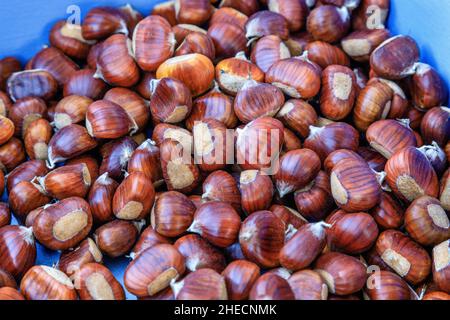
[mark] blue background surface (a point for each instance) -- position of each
(25, 26)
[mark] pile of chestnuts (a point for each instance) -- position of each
(95, 129)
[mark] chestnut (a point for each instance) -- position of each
(36, 138)
(195, 12)
(354, 233)
(291, 141)
(328, 23)
(407, 258)
(268, 50)
(101, 22)
(304, 246)
(388, 214)
(222, 186)
(308, 285)
(8, 66)
(5, 214)
(298, 78)
(166, 10)
(67, 181)
(385, 285)
(298, 115)
(172, 214)
(32, 83)
(25, 111)
(96, 282)
(441, 266)
(292, 219)
(200, 254)
(325, 55)
(69, 142)
(428, 88)
(217, 222)
(256, 100)
(228, 39)
(7, 129)
(179, 171)
(427, 222)
(145, 159)
(338, 92)
(271, 287)
(389, 136)
(294, 11)
(46, 283)
(297, 169)
(148, 238)
(395, 58)
(71, 261)
(8, 293)
(197, 42)
(362, 18)
(229, 15)
(240, 276)
(116, 238)
(18, 250)
(203, 284)
(264, 23)
(261, 238)
(435, 126)
(247, 7)
(256, 191)
(63, 225)
(410, 175)
(116, 155)
(153, 270)
(360, 44)
(185, 68)
(153, 42)
(343, 274)
(115, 64)
(5, 103)
(100, 198)
(165, 131)
(83, 83)
(69, 39)
(332, 137)
(438, 295)
(25, 197)
(315, 201)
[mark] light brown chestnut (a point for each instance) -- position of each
(360, 44)
(71, 261)
(294, 11)
(36, 138)
(386, 285)
(297, 77)
(172, 214)
(308, 285)
(262, 238)
(63, 225)
(200, 254)
(233, 73)
(153, 42)
(47, 283)
(96, 282)
(338, 92)
(25, 111)
(134, 197)
(18, 250)
(71, 110)
(7, 129)
(197, 42)
(185, 68)
(298, 115)
(68, 143)
(410, 175)
(427, 222)
(204, 284)
(165, 131)
(343, 274)
(395, 58)
(5, 103)
(7, 293)
(240, 276)
(268, 50)
(407, 258)
(297, 169)
(116, 238)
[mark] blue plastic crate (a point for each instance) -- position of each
(25, 27)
